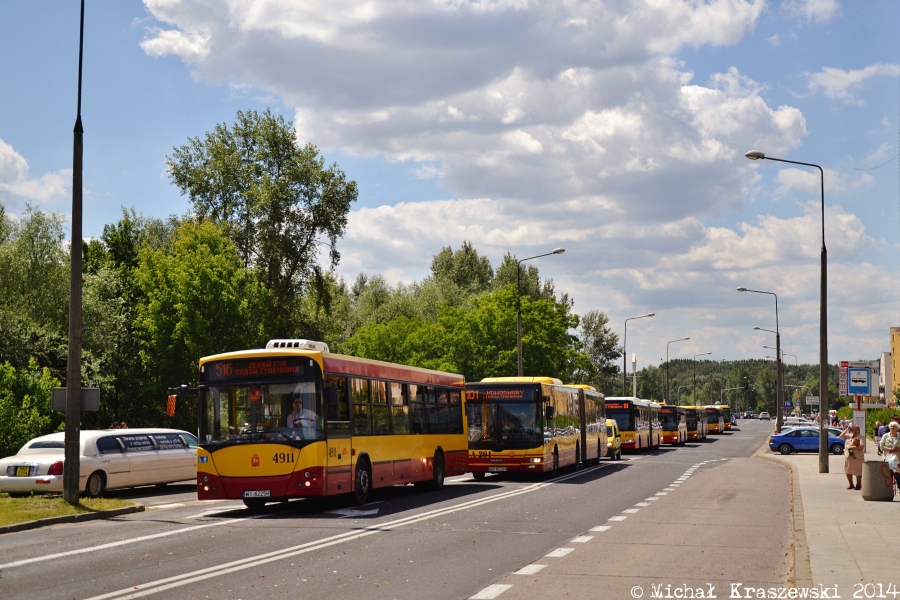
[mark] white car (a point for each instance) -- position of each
(111, 458)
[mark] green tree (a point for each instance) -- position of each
(275, 199)
(199, 301)
(465, 269)
(600, 346)
(25, 405)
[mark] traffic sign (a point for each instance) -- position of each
(812, 400)
(859, 382)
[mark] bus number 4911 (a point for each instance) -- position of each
(283, 457)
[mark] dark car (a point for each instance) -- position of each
(803, 439)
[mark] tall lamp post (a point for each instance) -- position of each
(678, 391)
(823, 313)
(71, 464)
(625, 353)
(694, 397)
(519, 303)
(684, 339)
(779, 381)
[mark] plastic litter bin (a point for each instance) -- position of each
(877, 481)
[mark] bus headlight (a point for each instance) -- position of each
(535, 460)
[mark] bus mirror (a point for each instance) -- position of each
(549, 412)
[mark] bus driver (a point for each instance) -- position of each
(303, 419)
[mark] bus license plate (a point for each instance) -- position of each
(496, 469)
(257, 494)
(23, 471)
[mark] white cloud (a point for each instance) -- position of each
(842, 85)
(819, 11)
(16, 181)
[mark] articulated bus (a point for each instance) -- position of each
(726, 415)
(295, 420)
(715, 421)
(638, 420)
(674, 424)
(696, 422)
(532, 424)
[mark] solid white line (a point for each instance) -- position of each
(490, 592)
(529, 569)
(165, 506)
(560, 552)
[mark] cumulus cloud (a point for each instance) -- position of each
(818, 11)
(16, 181)
(842, 85)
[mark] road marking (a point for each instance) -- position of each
(600, 528)
(652, 498)
(582, 539)
(662, 493)
(165, 506)
(560, 552)
(161, 585)
(490, 592)
(631, 511)
(529, 569)
(618, 518)
(668, 489)
(642, 504)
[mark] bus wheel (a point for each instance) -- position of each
(479, 475)
(363, 486)
(437, 479)
(255, 504)
(554, 471)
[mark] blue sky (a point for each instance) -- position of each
(614, 129)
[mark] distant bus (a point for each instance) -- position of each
(726, 415)
(533, 424)
(674, 424)
(634, 418)
(295, 420)
(696, 422)
(714, 419)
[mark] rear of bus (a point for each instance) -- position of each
(521, 424)
(726, 415)
(692, 420)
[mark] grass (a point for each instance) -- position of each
(29, 508)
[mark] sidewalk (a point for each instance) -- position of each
(850, 541)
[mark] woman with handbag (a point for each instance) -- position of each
(853, 449)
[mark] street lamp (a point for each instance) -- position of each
(72, 441)
(625, 353)
(823, 313)
(667, 363)
(519, 303)
(695, 373)
(678, 391)
(779, 379)
(779, 382)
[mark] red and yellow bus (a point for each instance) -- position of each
(533, 424)
(726, 415)
(634, 417)
(696, 422)
(714, 419)
(294, 420)
(674, 424)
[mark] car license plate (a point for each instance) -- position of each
(257, 494)
(23, 471)
(496, 469)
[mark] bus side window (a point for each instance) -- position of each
(337, 403)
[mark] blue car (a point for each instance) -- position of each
(804, 439)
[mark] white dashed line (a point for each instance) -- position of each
(631, 511)
(165, 506)
(651, 499)
(642, 504)
(491, 592)
(618, 518)
(662, 493)
(582, 539)
(560, 552)
(600, 528)
(529, 569)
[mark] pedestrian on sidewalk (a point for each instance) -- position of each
(853, 449)
(877, 436)
(890, 448)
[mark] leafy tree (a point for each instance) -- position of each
(530, 284)
(599, 343)
(199, 301)
(275, 199)
(25, 405)
(465, 269)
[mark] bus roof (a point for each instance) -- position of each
(549, 380)
(582, 386)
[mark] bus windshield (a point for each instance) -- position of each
(669, 420)
(513, 424)
(274, 412)
(624, 417)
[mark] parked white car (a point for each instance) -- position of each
(112, 458)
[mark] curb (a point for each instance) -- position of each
(801, 572)
(77, 518)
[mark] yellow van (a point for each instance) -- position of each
(613, 440)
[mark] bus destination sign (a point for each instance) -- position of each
(619, 405)
(254, 369)
(500, 393)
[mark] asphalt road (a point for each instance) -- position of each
(404, 544)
